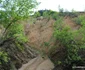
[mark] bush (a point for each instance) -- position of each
(37, 14)
(3, 57)
(67, 38)
(79, 20)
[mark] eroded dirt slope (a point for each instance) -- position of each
(42, 31)
(68, 21)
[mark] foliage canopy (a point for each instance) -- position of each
(13, 11)
(72, 40)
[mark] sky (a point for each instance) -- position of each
(78, 5)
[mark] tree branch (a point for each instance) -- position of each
(8, 26)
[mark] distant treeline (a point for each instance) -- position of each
(46, 14)
(48, 11)
(54, 14)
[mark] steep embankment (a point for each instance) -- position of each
(39, 33)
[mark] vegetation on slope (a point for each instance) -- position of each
(11, 13)
(14, 11)
(72, 41)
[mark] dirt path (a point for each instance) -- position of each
(38, 63)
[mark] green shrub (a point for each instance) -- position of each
(46, 44)
(67, 38)
(79, 20)
(17, 32)
(37, 14)
(3, 57)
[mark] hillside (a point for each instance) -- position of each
(54, 41)
(40, 35)
(42, 30)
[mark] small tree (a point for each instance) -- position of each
(37, 14)
(13, 11)
(67, 38)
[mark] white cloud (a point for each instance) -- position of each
(78, 5)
